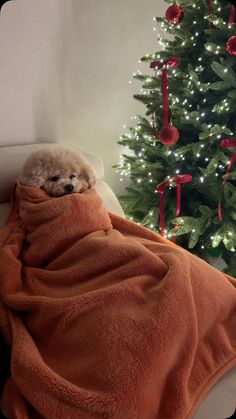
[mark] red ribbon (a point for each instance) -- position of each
(171, 62)
(224, 144)
(209, 10)
(185, 178)
(232, 14)
(209, 7)
(165, 104)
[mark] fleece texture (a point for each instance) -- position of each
(106, 319)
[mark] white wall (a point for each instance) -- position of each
(65, 67)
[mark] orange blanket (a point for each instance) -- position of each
(105, 318)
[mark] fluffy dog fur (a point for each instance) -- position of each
(58, 170)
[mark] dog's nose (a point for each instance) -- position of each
(69, 188)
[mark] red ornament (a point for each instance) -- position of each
(174, 14)
(169, 135)
(231, 45)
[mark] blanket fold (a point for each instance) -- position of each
(105, 318)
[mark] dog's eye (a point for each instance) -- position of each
(72, 176)
(54, 178)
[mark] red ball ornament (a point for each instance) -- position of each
(174, 14)
(231, 45)
(169, 135)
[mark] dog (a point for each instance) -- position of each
(58, 170)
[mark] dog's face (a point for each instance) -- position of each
(60, 183)
(59, 171)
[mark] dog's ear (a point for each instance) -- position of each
(33, 174)
(89, 175)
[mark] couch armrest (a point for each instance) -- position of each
(110, 200)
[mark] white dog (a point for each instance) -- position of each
(58, 170)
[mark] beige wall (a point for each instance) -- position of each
(65, 67)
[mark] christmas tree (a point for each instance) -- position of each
(181, 152)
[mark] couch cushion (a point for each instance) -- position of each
(12, 159)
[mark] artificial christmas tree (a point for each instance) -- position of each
(201, 96)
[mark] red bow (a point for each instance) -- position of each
(185, 178)
(172, 62)
(226, 143)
